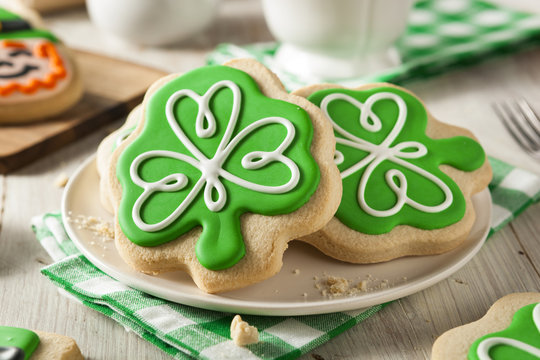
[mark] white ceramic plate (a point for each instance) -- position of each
(292, 291)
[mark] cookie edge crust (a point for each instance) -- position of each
(104, 155)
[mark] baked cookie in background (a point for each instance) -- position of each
(52, 5)
(407, 178)
(19, 344)
(509, 330)
(222, 171)
(38, 76)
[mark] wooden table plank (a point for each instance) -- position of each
(527, 229)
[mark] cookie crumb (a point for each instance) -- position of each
(61, 180)
(296, 271)
(337, 285)
(99, 227)
(459, 281)
(242, 333)
(362, 285)
(304, 294)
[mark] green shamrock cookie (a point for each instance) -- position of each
(389, 167)
(521, 340)
(213, 147)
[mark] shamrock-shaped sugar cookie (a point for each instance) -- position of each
(222, 171)
(407, 178)
(509, 330)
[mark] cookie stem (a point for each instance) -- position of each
(221, 244)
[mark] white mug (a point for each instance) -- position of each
(152, 22)
(336, 38)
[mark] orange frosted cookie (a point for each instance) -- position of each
(38, 77)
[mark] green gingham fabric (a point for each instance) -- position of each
(184, 331)
(181, 331)
(441, 35)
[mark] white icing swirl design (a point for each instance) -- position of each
(211, 168)
(398, 154)
(485, 345)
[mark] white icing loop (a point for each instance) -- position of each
(378, 153)
(485, 345)
(338, 157)
(215, 194)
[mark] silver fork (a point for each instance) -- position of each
(522, 123)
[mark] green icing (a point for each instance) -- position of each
(6, 15)
(524, 329)
(220, 244)
(360, 146)
(17, 337)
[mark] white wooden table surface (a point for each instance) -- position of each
(508, 262)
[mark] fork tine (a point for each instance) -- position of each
(509, 121)
(530, 116)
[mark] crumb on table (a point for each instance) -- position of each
(242, 333)
(61, 180)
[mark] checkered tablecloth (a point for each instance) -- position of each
(441, 35)
(184, 331)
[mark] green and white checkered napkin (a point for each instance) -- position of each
(184, 331)
(441, 35)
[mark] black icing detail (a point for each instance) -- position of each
(14, 25)
(19, 52)
(23, 72)
(11, 353)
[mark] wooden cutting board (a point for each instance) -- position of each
(112, 88)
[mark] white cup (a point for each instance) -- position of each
(152, 22)
(336, 38)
